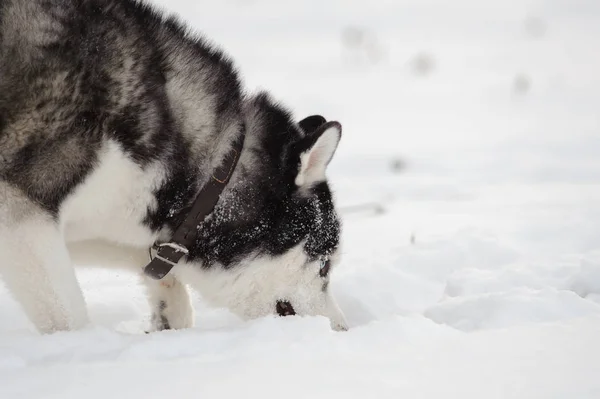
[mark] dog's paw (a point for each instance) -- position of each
(170, 317)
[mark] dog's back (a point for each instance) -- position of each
(74, 74)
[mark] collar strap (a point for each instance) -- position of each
(169, 253)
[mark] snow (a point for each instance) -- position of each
(480, 275)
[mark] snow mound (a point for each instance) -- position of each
(511, 308)
(586, 281)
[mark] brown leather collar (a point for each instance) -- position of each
(169, 253)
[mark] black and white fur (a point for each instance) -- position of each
(112, 117)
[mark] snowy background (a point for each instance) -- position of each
(474, 127)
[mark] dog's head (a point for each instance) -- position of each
(273, 241)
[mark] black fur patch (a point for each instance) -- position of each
(164, 323)
(161, 321)
(311, 123)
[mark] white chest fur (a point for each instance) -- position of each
(113, 201)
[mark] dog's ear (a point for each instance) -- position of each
(316, 151)
(311, 123)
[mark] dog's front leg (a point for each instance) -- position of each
(170, 304)
(37, 270)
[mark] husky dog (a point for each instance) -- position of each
(113, 118)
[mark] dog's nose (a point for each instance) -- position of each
(284, 308)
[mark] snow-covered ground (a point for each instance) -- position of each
(475, 127)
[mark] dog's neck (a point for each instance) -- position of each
(185, 234)
(259, 182)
